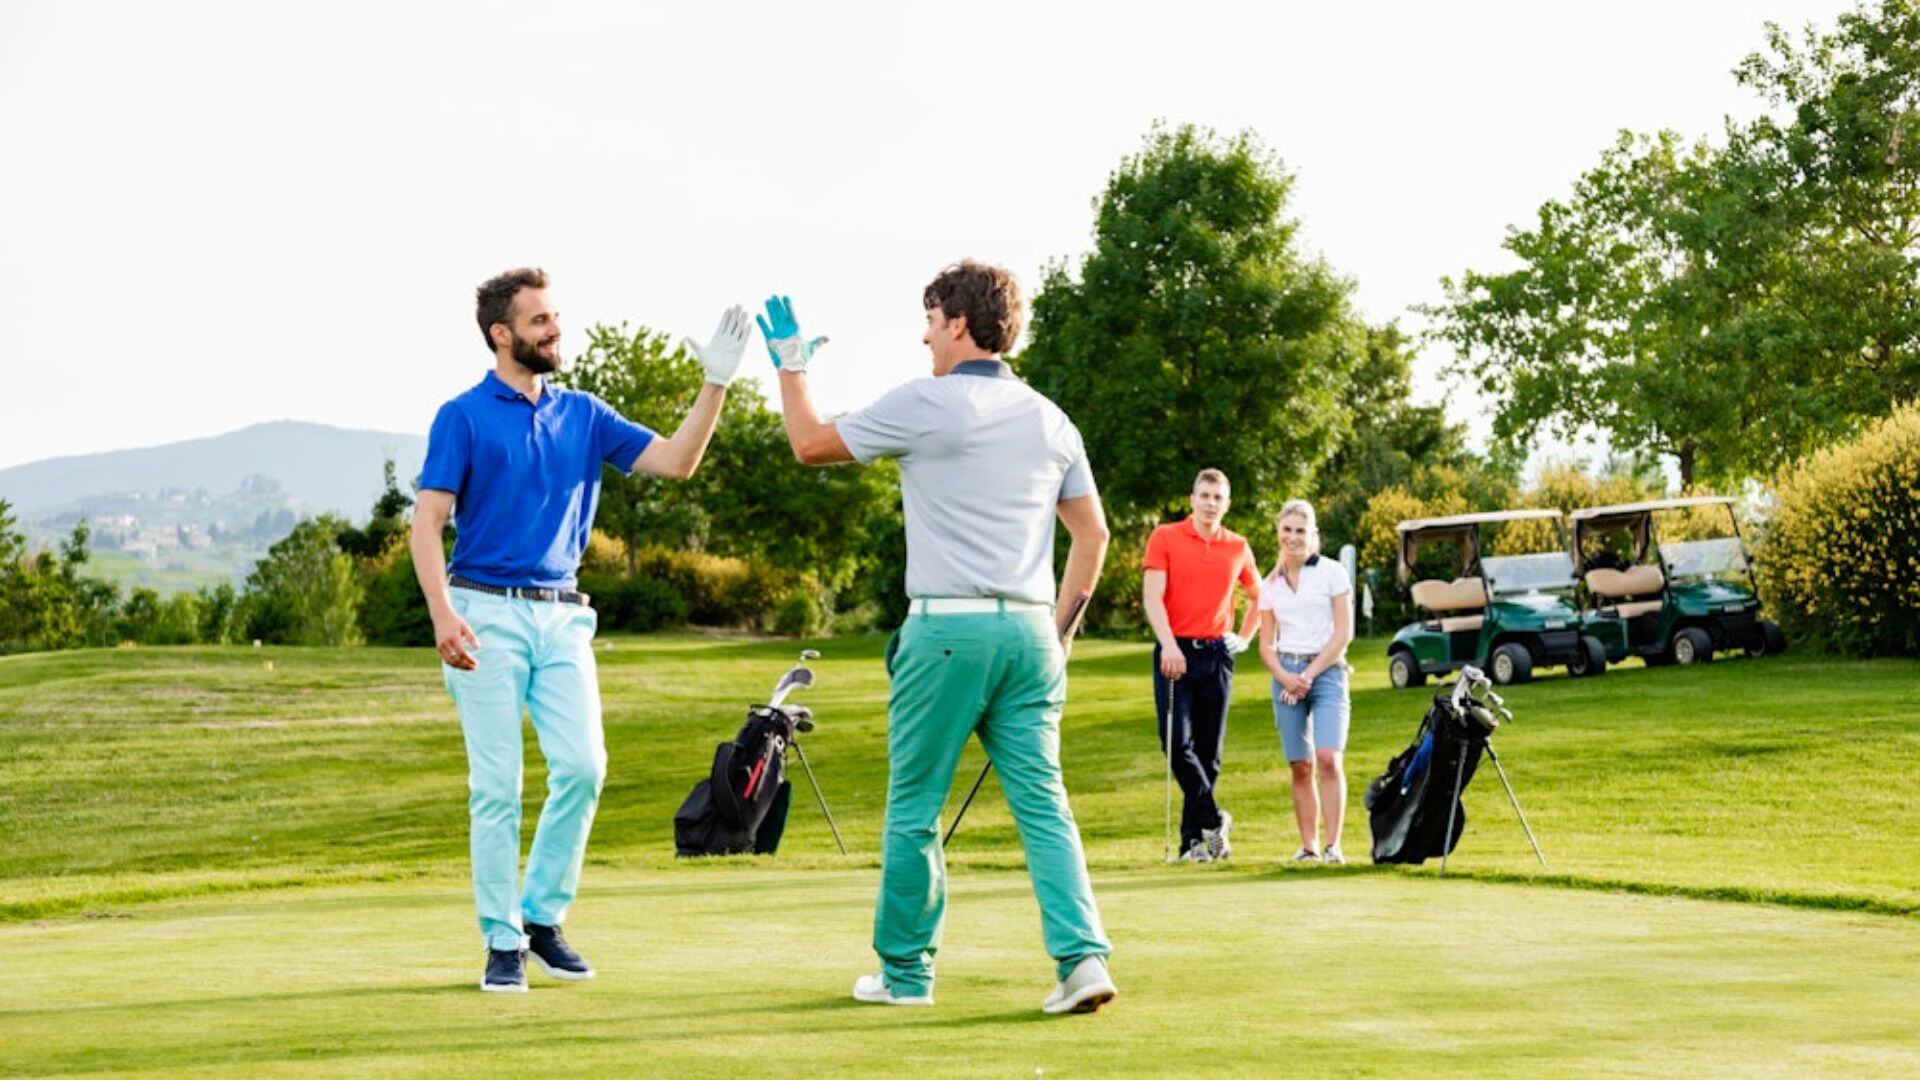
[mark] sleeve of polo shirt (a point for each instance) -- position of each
(449, 449)
(1078, 482)
(1249, 576)
(620, 439)
(1157, 557)
(891, 426)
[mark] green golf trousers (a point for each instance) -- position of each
(1001, 675)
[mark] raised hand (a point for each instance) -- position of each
(721, 356)
(790, 350)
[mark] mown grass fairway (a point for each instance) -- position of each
(216, 868)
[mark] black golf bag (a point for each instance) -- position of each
(1410, 804)
(742, 804)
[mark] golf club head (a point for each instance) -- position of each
(802, 718)
(1484, 717)
(809, 654)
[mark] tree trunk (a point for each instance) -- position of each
(1689, 453)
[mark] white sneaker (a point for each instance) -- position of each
(1303, 855)
(1196, 853)
(1216, 839)
(873, 989)
(1084, 990)
(1332, 856)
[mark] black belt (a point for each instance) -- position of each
(555, 596)
(1200, 642)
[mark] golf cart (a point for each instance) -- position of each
(1669, 601)
(1507, 614)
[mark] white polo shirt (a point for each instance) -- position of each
(1305, 614)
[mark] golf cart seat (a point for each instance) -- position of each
(1459, 604)
(1617, 590)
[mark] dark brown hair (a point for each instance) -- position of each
(493, 300)
(989, 298)
(1211, 476)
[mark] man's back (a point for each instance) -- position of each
(984, 461)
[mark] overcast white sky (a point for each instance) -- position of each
(217, 214)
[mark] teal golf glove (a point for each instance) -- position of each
(721, 356)
(790, 351)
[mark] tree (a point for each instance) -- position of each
(1733, 306)
(386, 524)
(1196, 333)
(306, 591)
(1389, 438)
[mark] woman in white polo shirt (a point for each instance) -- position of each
(1306, 621)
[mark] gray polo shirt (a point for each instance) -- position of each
(984, 459)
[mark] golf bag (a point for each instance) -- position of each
(1410, 805)
(742, 804)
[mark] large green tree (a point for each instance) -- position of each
(1196, 332)
(1729, 305)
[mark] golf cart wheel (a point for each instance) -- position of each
(1404, 671)
(1589, 658)
(1511, 664)
(1773, 641)
(1690, 646)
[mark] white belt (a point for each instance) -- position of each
(974, 605)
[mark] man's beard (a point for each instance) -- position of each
(527, 355)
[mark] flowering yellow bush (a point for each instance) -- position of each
(1840, 557)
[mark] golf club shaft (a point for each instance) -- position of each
(977, 781)
(820, 796)
(1515, 800)
(1166, 735)
(1066, 641)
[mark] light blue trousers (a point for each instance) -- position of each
(537, 657)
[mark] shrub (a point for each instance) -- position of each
(718, 590)
(1841, 553)
(640, 604)
(392, 611)
(799, 615)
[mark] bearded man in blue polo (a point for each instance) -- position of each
(517, 465)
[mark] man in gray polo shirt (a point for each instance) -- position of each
(986, 465)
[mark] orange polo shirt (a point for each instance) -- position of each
(1200, 576)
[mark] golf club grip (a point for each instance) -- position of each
(1074, 613)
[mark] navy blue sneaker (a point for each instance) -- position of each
(506, 972)
(554, 955)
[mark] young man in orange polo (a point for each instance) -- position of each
(1191, 568)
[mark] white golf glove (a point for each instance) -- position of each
(1235, 643)
(721, 356)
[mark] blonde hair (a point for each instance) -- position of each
(1211, 476)
(1303, 509)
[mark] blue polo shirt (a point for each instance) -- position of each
(525, 478)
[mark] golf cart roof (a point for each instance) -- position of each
(1461, 529)
(1648, 507)
(1458, 521)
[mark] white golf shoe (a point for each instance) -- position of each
(1333, 856)
(873, 989)
(1216, 839)
(1084, 990)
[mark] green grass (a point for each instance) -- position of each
(160, 805)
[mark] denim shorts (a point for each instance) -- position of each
(1326, 707)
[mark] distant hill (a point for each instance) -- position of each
(318, 468)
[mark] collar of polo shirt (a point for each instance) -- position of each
(992, 369)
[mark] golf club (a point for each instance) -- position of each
(801, 677)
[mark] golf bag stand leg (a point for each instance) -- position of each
(977, 781)
(1459, 781)
(1515, 800)
(820, 796)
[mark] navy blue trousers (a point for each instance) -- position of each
(1194, 716)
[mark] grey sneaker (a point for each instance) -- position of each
(1304, 855)
(1332, 856)
(1196, 852)
(1216, 839)
(873, 990)
(1084, 990)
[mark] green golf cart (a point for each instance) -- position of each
(1507, 614)
(1667, 600)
